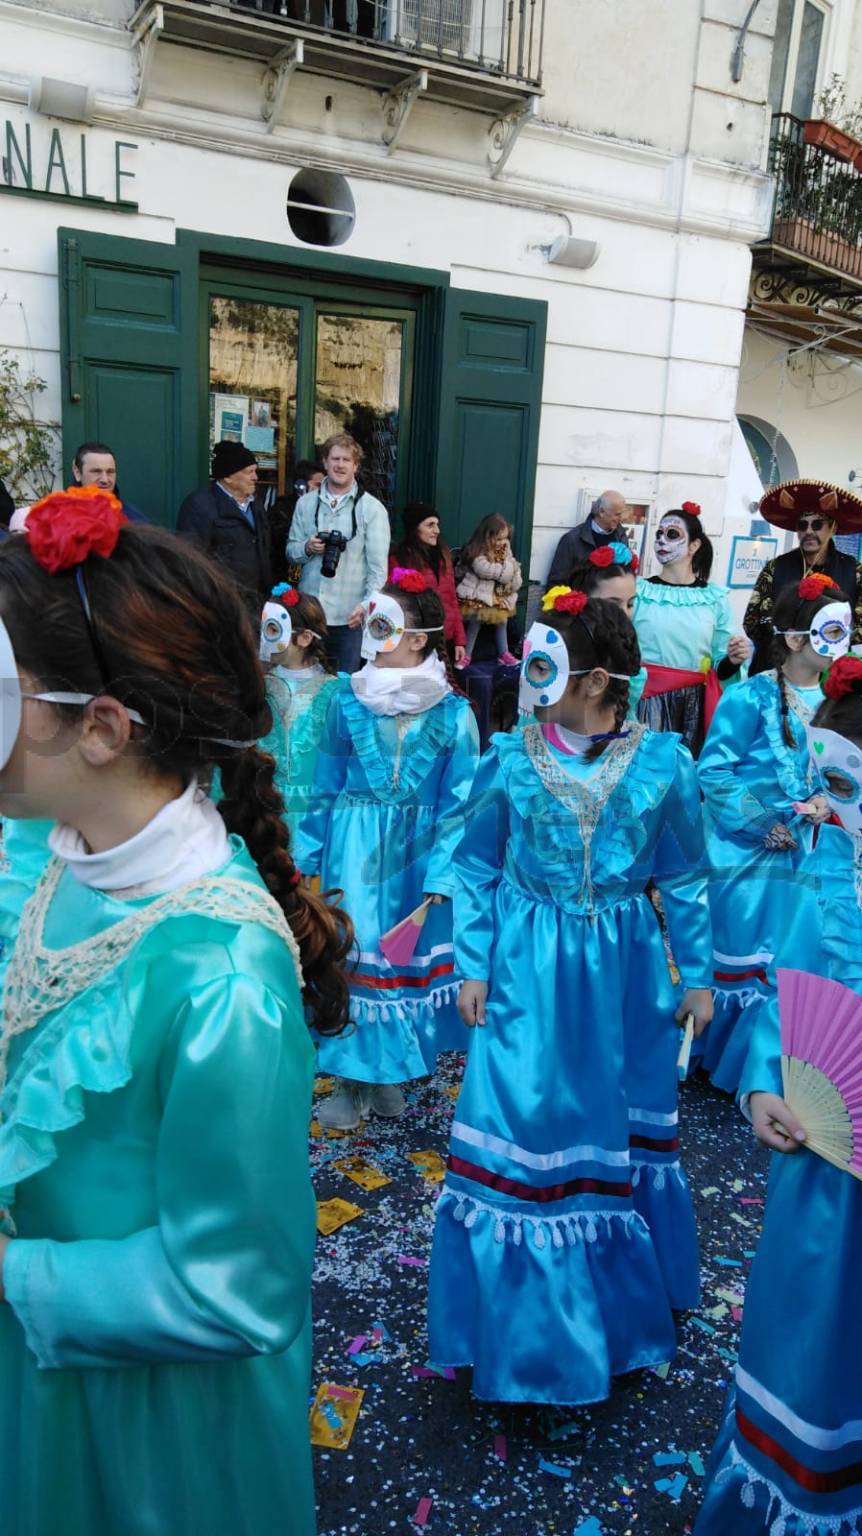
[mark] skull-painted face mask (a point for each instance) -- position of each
(545, 669)
(830, 632)
(385, 623)
(10, 697)
(671, 540)
(276, 630)
(839, 766)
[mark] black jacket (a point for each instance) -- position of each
(213, 521)
(7, 505)
(578, 544)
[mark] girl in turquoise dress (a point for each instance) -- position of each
(610, 573)
(394, 768)
(756, 778)
(155, 1064)
(788, 1458)
(565, 1233)
(300, 680)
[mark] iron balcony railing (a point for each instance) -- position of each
(818, 196)
(499, 37)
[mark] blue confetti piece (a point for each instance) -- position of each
(705, 1328)
(730, 1263)
(669, 1458)
(695, 1461)
(589, 1527)
(553, 1468)
(672, 1486)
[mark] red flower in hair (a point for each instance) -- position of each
(692, 507)
(409, 580)
(602, 556)
(636, 565)
(64, 528)
(844, 675)
(812, 587)
(285, 594)
(570, 602)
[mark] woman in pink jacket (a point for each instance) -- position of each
(423, 549)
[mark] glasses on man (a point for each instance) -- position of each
(812, 524)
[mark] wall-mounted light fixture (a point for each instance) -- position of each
(61, 98)
(568, 251)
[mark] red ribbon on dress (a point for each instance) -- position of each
(667, 679)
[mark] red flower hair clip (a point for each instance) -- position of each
(564, 600)
(814, 586)
(408, 580)
(286, 594)
(636, 564)
(844, 676)
(602, 556)
(64, 528)
(692, 507)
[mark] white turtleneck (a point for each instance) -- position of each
(185, 840)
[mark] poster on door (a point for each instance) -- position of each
(747, 559)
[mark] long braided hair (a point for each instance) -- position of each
(601, 636)
(792, 611)
(175, 643)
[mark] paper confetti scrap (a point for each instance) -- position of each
(554, 1468)
(362, 1173)
(411, 1260)
(672, 1486)
(589, 1527)
(430, 1165)
(695, 1461)
(324, 1084)
(332, 1214)
(333, 1415)
(670, 1458)
(501, 1448)
(423, 1510)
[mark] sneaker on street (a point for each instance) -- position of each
(387, 1100)
(508, 660)
(346, 1106)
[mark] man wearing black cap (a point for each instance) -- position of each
(228, 522)
(816, 511)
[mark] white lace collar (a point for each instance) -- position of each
(185, 840)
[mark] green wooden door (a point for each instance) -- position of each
(128, 314)
(490, 404)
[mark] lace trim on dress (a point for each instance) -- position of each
(298, 720)
(39, 980)
(780, 1513)
(393, 777)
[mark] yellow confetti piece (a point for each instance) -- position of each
(324, 1084)
(332, 1214)
(362, 1173)
(430, 1165)
(333, 1415)
(316, 1129)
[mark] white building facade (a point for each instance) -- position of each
(544, 216)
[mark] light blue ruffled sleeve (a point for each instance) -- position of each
(456, 782)
(227, 1270)
(679, 872)
(725, 628)
(721, 769)
(478, 867)
(330, 776)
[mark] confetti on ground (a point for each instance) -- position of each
(423, 1510)
(501, 1449)
(553, 1468)
(362, 1173)
(430, 1164)
(332, 1214)
(421, 1435)
(333, 1415)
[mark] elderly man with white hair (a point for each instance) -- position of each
(601, 527)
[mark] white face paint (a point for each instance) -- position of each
(671, 540)
(839, 767)
(276, 629)
(10, 697)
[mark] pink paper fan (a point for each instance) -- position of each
(821, 1063)
(399, 944)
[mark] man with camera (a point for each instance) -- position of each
(340, 538)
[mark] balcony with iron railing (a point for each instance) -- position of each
(482, 55)
(816, 229)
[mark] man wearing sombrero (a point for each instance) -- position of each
(816, 511)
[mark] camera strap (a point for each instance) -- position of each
(330, 509)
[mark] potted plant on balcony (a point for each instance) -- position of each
(837, 127)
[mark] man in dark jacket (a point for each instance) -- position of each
(601, 527)
(227, 521)
(96, 464)
(816, 511)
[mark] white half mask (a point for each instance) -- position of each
(544, 668)
(385, 623)
(831, 630)
(671, 540)
(276, 629)
(10, 697)
(839, 767)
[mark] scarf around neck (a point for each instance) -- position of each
(401, 690)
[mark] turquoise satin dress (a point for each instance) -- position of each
(565, 1233)
(299, 707)
(788, 1459)
(155, 1350)
(388, 797)
(762, 901)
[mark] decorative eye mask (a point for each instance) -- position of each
(839, 767)
(276, 629)
(545, 670)
(385, 623)
(830, 632)
(671, 540)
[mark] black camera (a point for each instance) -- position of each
(334, 545)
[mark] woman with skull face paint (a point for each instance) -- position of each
(565, 1234)
(686, 633)
(760, 812)
(788, 1457)
(394, 767)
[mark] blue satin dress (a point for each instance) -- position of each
(155, 1350)
(299, 706)
(565, 1233)
(762, 901)
(788, 1459)
(388, 797)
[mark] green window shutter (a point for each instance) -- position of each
(128, 322)
(491, 400)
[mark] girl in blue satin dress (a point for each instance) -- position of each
(754, 771)
(157, 1220)
(394, 768)
(611, 572)
(788, 1459)
(565, 1234)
